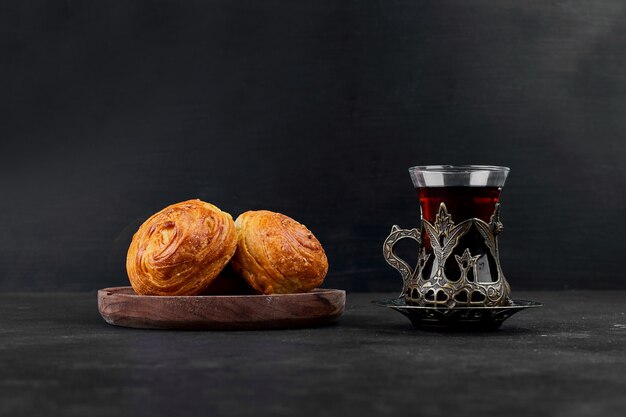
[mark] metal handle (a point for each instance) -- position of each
(394, 260)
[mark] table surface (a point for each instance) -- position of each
(568, 358)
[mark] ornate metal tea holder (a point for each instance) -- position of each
(443, 303)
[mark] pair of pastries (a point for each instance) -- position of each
(184, 249)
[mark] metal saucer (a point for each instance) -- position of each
(457, 318)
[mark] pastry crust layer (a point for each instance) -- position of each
(277, 255)
(181, 249)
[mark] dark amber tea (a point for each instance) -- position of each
(462, 203)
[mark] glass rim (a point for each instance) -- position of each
(458, 168)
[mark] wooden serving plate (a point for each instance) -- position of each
(120, 306)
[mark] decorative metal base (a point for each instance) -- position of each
(474, 280)
(457, 318)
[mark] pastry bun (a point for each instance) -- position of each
(181, 249)
(276, 254)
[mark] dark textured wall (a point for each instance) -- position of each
(111, 110)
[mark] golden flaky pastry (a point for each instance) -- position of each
(277, 255)
(181, 249)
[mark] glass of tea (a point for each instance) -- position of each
(458, 260)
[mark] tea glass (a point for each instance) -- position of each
(458, 261)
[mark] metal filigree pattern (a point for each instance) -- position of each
(471, 288)
(394, 260)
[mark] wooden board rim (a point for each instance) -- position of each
(120, 306)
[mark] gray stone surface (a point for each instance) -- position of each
(58, 357)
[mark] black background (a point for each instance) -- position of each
(111, 110)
